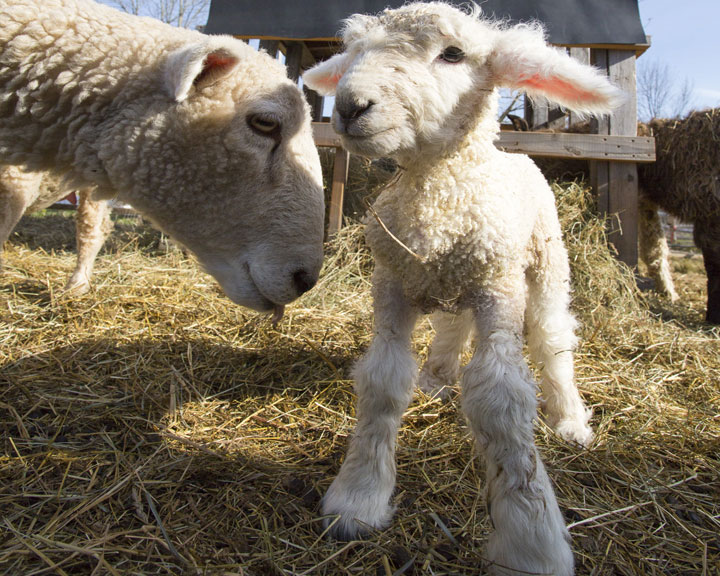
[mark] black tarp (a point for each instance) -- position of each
(568, 22)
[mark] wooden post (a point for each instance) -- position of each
(270, 46)
(337, 193)
(293, 59)
(316, 102)
(582, 55)
(616, 183)
(540, 116)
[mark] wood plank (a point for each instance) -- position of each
(547, 144)
(582, 55)
(579, 146)
(324, 135)
(337, 193)
(623, 180)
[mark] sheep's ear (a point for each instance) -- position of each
(196, 66)
(521, 60)
(324, 77)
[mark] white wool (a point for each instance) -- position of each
(470, 233)
(161, 118)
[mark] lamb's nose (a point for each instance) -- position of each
(350, 110)
(303, 281)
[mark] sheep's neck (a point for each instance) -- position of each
(475, 145)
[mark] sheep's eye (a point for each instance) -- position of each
(452, 54)
(263, 125)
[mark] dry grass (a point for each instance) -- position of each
(151, 427)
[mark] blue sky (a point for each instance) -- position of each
(686, 36)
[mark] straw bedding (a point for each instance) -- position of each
(151, 427)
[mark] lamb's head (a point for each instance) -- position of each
(227, 166)
(416, 78)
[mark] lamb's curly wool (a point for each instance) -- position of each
(684, 181)
(204, 135)
(472, 234)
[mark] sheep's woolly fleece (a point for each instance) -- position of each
(163, 118)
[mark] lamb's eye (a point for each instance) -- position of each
(263, 125)
(452, 54)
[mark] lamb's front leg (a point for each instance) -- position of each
(499, 401)
(384, 379)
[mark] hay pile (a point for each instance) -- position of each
(151, 427)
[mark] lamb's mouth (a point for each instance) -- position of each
(365, 135)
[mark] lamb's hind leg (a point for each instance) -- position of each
(551, 342)
(385, 376)
(440, 372)
(500, 402)
(92, 226)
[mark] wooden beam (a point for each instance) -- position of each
(543, 116)
(337, 192)
(293, 59)
(579, 146)
(270, 46)
(582, 55)
(546, 144)
(324, 135)
(617, 183)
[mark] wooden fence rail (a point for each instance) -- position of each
(597, 147)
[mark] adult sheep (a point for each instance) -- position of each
(22, 191)
(472, 234)
(203, 135)
(684, 181)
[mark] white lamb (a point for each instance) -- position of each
(203, 135)
(22, 191)
(471, 233)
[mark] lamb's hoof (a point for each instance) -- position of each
(436, 386)
(353, 515)
(575, 431)
(547, 554)
(563, 567)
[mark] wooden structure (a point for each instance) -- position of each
(606, 33)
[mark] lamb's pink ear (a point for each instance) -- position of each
(522, 60)
(324, 77)
(196, 66)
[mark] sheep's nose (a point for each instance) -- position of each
(303, 281)
(350, 110)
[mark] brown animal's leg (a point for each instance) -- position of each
(707, 238)
(654, 250)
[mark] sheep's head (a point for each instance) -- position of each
(226, 165)
(417, 77)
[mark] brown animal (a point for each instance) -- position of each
(685, 182)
